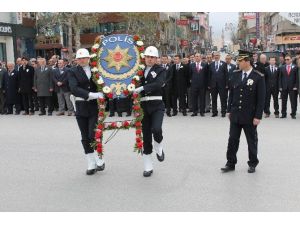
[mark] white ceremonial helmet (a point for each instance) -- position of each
(151, 51)
(82, 53)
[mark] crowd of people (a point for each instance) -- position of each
(192, 84)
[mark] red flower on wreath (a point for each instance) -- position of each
(97, 76)
(136, 37)
(98, 134)
(94, 50)
(138, 124)
(126, 124)
(113, 125)
(140, 73)
(138, 132)
(135, 95)
(139, 145)
(138, 140)
(102, 100)
(94, 63)
(110, 95)
(100, 126)
(141, 48)
(136, 107)
(101, 114)
(133, 82)
(126, 92)
(99, 150)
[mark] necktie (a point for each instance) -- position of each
(217, 66)
(244, 76)
(288, 69)
(177, 66)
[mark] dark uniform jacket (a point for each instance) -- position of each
(180, 79)
(26, 79)
(272, 78)
(11, 86)
(80, 86)
(219, 76)
(230, 70)
(153, 87)
(199, 79)
(288, 82)
(246, 101)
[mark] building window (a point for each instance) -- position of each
(3, 52)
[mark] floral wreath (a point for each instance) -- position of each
(129, 91)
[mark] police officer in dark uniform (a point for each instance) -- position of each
(153, 107)
(245, 108)
(84, 97)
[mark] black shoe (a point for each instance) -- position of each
(184, 114)
(207, 111)
(223, 115)
(42, 114)
(17, 113)
(251, 169)
(194, 114)
(111, 115)
(267, 115)
(228, 169)
(169, 114)
(100, 168)
(162, 157)
(91, 172)
(293, 116)
(283, 116)
(202, 114)
(214, 115)
(50, 114)
(128, 114)
(174, 114)
(119, 114)
(147, 173)
(276, 116)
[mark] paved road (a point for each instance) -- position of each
(43, 168)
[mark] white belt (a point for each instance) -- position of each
(79, 99)
(151, 98)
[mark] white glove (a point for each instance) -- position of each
(95, 95)
(139, 89)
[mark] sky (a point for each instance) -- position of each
(218, 20)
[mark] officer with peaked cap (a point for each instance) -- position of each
(245, 109)
(85, 94)
(153, 107)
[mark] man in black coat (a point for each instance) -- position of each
(167, 87)
(198, 71)
(26, 75)
(153, 107)
(245, 108)
(2, 96)
(218, 84)
(11, 87)
(230, 68)
(257, 64)
(180, 85)
(271, 78)
(288, 85)
(85, 91)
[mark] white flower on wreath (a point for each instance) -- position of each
(142, 55)
(139, 43)
(142, 67)
(119, 124)
(106, 90)
(131, 87)
(93, 55)
(250, 82)
(94, 70)
(100, 80)
(106, 125)
(136, 78)
(96, 46)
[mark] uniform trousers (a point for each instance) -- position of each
(152, 125)
(87, 127)
(234, 139)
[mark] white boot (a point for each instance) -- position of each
(99, 162)
(158, 148)
(148, 165)
(91, 161)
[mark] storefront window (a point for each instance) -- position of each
(3, 52)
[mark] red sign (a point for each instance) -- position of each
(249, 15)
(182, 22)
(184, 43)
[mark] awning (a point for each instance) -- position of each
(48, 46)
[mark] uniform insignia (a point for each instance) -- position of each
(261, 74)
(153, 74)
(27, 70)
(250, 82)
(12, 74)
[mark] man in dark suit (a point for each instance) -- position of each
(153, 107)
(258, 65)
(198, 72)
(3, 71)
(26, 73)
(230, 67)
(271, 78)
(61, 88)
(245, 108)
(85, 91)
(288, 85)
(167, 87)
(218, 84)
(180, 85)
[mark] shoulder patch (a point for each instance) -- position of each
(261, 74)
